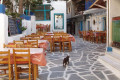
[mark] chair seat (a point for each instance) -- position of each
(23, 65)
(3, 67)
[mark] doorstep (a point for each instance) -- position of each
(111, 61)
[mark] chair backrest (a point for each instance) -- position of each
(5, 55)
(49, 38)
(24, 38)
(22, 56)
(35, 38)
(56, 38)
(9, 45)
(34, 43)
(65, 38)
(18, 42)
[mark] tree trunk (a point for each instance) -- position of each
(21, 6)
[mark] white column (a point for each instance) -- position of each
(33, 24)
(3, 29)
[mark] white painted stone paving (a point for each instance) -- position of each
(83, 64)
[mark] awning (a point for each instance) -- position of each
(99, 4)
(93, 10)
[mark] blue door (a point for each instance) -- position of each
(81, 25)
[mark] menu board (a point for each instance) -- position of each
(12, 28)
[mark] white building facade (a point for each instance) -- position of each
(55, 17)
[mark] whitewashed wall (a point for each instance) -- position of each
(98, 26)
(98, 17)
(31, 28)
(114, 11)
(59, 7)
(3, 29)
(33, 25)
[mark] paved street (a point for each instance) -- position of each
(83, 64)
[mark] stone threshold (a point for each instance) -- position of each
(112, 62)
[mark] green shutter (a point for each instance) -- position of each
(116, 30)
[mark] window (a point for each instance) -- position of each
(42, 13)
(58, 21)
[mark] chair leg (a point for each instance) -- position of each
(37, 71)
(9, 72)
(12, 73)
(70, 46)
(50, 46)
(60, 46)
(63, 47)
(32, 72)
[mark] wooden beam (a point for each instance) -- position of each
(100, 6)
(93, 3)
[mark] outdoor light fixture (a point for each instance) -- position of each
(51, 8)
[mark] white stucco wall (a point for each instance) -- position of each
(114, 11)
(59, 7)
(98, 26)
(33, 24)
(31, 28)
(3, 29)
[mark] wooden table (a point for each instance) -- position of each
(36, 54)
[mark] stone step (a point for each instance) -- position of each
(115, 55)
(111, 63)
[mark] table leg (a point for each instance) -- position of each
(50, 46)
(35, 72)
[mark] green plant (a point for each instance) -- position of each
(23, 28)
(15, 15)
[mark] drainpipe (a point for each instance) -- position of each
(109, 48)
(108, 22)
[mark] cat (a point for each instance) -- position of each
(66, 61)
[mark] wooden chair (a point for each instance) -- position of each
(80, 34)
(24, 38)
(22, 59)
(35, 38)
(5, 65)
(98, 37)
(57, 42)
(48, 28)
(91, 37)
(66, 43)
(34, 43)
(84, 35)
(9, 46)
(104, 37)
(25, 46)
(18, 42)
(50, 39)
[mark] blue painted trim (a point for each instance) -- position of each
(43, 11)
(18, 24)
(23, 16)
(109, 49)
(2, 8)
(81, 25)
(63, 19)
